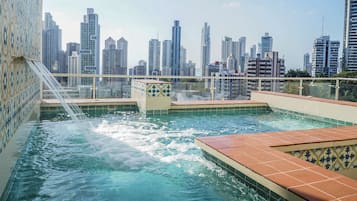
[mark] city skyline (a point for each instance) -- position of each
(232, 18)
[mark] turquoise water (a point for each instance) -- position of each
(128, 156)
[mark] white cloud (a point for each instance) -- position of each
(231, 4)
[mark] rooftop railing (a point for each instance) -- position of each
(186, 88)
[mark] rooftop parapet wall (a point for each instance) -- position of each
(339, 110)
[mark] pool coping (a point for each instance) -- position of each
(258, 157)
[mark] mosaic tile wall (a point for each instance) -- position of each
(20, 35)
(332, 158)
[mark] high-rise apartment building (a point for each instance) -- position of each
(51, 44)
(90, 44)
(110, 58)
(74, 67)
(205, 47)
(227, 46)
(72, 47)
(139, 69)
(253, 52)
(307, 64)
(154, 56)
(166, 57)
(122, 46)
(109, 43)
(235, 51)
(349, 60)
(242, 46)
(183, 57)
(270, 66)
(266, 44)
(242, 54)
(325, 57)
(111, 62)
(176, 48)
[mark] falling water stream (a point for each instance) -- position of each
(49, 80)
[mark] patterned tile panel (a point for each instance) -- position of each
(332, 158)
(20, 35)
(158, 90)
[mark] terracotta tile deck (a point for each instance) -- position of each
(309, 181)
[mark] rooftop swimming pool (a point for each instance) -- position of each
(129, 156)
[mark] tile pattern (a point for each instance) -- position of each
(156, 90)
(20, 35)
(152, 88)
(92, 110)
(332, 158)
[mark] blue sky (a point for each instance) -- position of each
(294, 24)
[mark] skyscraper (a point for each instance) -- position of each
(205, 48)
(74, 67)
(154, 56)
(111, 62)
(110, 58)
(122, 45)
(242, 46)
(183, 57)
(139, 69)
(242, 53)
(176, 48)
(230, 48)
(227, 46)
(72, 47)
(349, 60)
(90, 44)
(51, 44)
(325, 57)
(253, 52)
(109, 43)
(307, 64)
(267, 44)
(166, 57)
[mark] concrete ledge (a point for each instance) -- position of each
(339, 110)
(90, 102)
(181, 105)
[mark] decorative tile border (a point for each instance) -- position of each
(337, 158)
(95, 111)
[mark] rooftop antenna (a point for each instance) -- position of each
(323, 25)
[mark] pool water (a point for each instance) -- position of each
(128, 156)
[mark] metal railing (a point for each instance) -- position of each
(206, 88)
